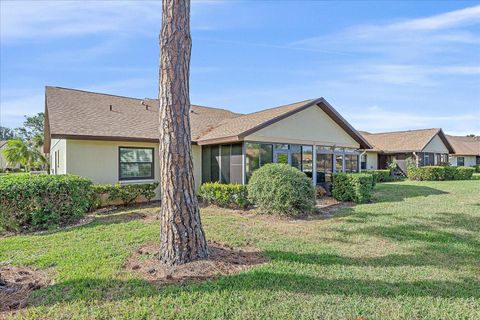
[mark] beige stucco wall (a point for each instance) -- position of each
(310, 126)
(98, 160)
(469, 160)
(372, 160)
(436, 146)
(61, 146)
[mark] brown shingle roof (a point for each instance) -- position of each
(87, 115)
(404, 141)
(465, 146)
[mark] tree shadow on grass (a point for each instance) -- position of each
(93, 289)
(391, 192)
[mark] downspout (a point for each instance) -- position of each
(360, 162)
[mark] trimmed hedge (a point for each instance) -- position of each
(281, 189)
(356, 187)
(477, 168)
(127, 193)
(224, 195)
(439, 173)
(42, 201)
(380, 175)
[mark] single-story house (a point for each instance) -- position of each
(424, 147)
(467, 151)
(112, 139)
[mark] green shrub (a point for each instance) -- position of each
(281, 189)
(224, 195)
(477, 168)
(380, 175)
(438, 173)
(42, 201)
(127, 193)
(356, 187)
(464, 173)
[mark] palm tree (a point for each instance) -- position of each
(27, 154)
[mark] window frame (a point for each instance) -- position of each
(152, 171)
(463, 161)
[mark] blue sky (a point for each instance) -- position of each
(383, 65)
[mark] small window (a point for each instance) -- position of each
(364, 162)
(135, 163)
(478, 160)
(460, 161)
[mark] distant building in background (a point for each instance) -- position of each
(467, 150)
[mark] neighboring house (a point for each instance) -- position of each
(467, 151)
(424, 146)
(113, 139)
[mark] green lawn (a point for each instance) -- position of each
(413, 254)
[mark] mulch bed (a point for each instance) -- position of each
(17, 284)
(222, 260)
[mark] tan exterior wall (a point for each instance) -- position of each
(436, 146)
(469, 160)
(310, 126)
(98, 160)
(372, 160)
(59, 145)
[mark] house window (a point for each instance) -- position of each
(426, 159)
(135, 163)
(363, 162)
(257, 154)
(324, 167)
(478, 160)
(338, 162)
(351, 163)
(307, 160)
(460, 161)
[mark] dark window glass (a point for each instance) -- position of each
(351, 163)
(339, 163)
(225, 164)
(460, 161)
(135, 163)
(296, 156)
(256, 156)
(307, 160)
(206, 166)
(236, 164)
(478, 160)
(364, 162)
(215, 163)
(324, 167)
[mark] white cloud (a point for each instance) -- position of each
(39, 20)
(376, 119)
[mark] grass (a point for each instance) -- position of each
(413, 254)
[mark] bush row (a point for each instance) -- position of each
(127, 193)
(224, 195)
(34, 202)
(42, 201)
(438, 173)
(356, 187)
(380, 175)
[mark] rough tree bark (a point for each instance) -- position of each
(182, 238)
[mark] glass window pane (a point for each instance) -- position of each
(324, 167)
(252, 158)
(236, 164)
(215, 163)
(266, 153)
(136, 155)
(225, 164)
(339, 163)
(281, 146)
(135, 170)
(307, 160)
(296, 154)
(206, 167)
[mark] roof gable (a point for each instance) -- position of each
(405, 141)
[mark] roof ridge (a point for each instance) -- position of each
(87, 91)
(282, 106)
(400, 131)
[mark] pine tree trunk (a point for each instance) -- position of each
(181, 236)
